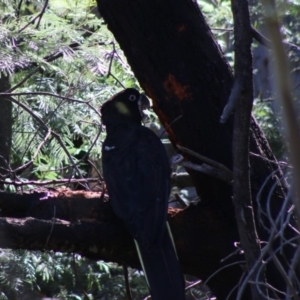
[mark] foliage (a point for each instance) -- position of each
(219, 17)
(86, 57)
(29, 275)
(271, 126)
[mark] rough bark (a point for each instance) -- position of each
(242, 200)
(81, 222)
(173, 54)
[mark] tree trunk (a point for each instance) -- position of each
(5, 127)
(173, 54)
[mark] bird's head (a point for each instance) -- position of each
(125, 106)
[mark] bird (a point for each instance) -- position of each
(136, 172)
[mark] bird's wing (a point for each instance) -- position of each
(137, 175)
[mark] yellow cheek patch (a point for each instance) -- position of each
(122, 108)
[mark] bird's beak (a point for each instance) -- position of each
(144, 103)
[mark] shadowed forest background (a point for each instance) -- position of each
(223, 106)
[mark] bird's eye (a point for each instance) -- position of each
(132, 98)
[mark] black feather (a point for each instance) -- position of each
(137, 174)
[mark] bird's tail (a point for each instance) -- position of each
(162, 269)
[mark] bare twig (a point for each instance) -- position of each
(291, 289)
(49, 58)
(26, 165)
(96, 169)
(242, 262)
(179, 200)
(41, 14)
(232, 101)
(276, 228)
(207, 160)
(109, 73)
(204, 168)
(36, 17)
(267, 43)
(19, 9)
(170, 125)
(23, 80)
(208, 170)
(8, 93)
(74, 46)
(221, 29)
(193, 284)
(274, 162)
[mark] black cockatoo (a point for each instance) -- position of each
(137, 175)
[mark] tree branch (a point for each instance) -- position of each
(48, 182)
(38, 16)
(66, 221)
(241, 135)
